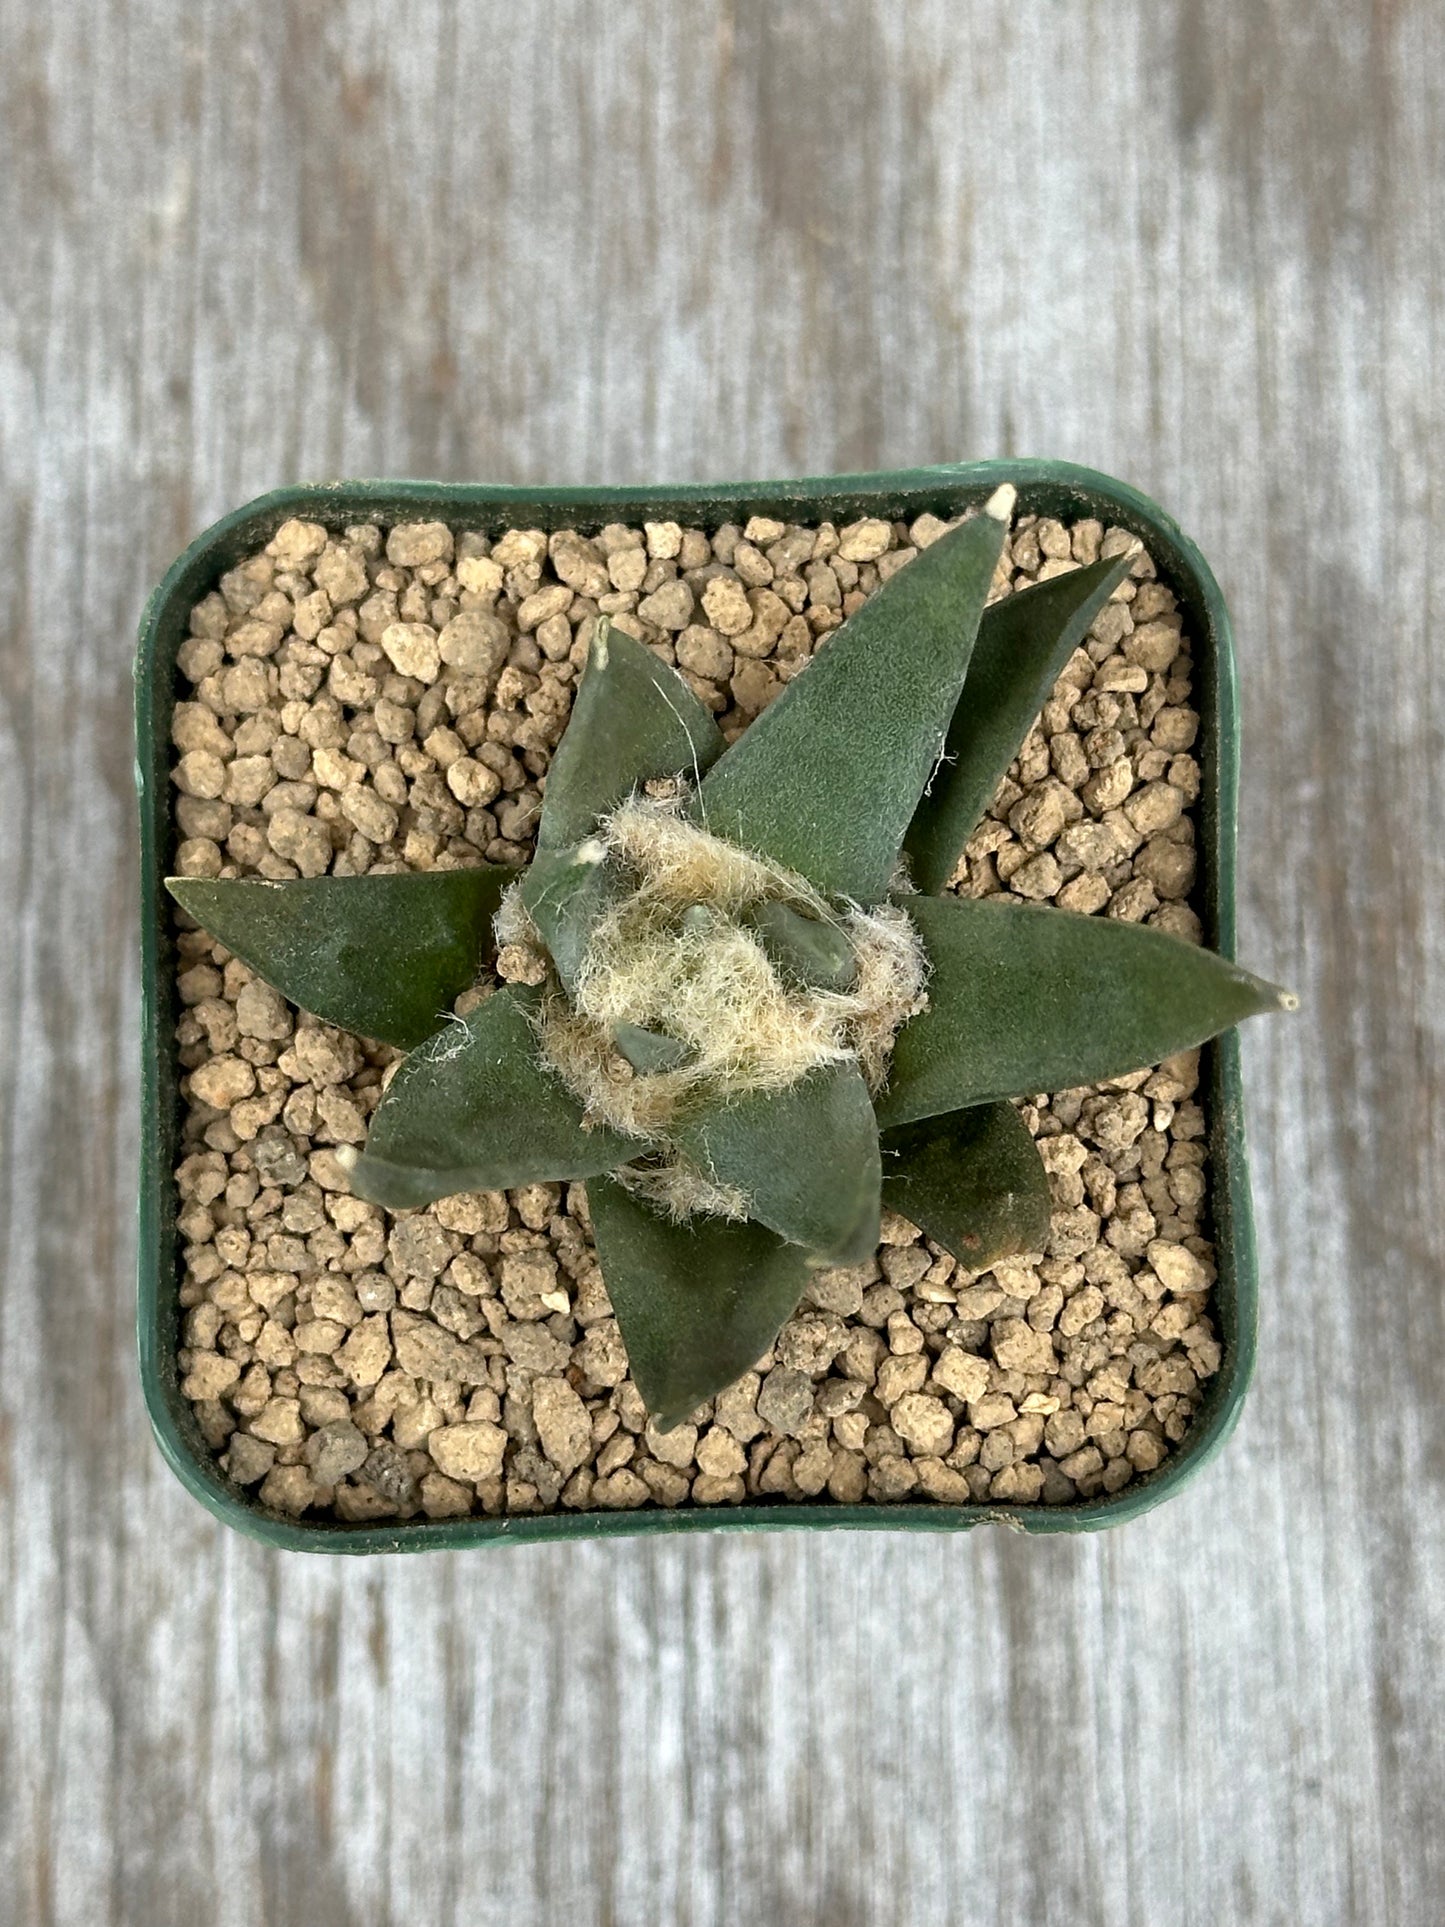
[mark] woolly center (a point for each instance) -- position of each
(677, 957)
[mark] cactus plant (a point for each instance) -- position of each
(738, 999)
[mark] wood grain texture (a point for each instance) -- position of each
(1199, 247)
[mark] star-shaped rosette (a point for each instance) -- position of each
(863, 781)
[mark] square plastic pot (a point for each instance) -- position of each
(1049, 488)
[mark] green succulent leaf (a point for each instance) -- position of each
(384, 956)
(812, 953)
(828, 778)
(696, 1303)
(634, 718)
(806, 1158)
(475, 1110)
(566, 893)
(1023, 998)
(972, 1180)
(650, 1050)
(1023, 644)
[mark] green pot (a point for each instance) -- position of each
(1050, 488)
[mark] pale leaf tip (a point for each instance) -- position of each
(1287, 1000)
(1000, 505)
(599, 641)
(347, 1156)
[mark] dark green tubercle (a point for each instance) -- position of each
(827, 780)
(384, 956)
(566, 893)
(806, 1158)
(1023, 644)
(873, 766)
(634, 720)
(972, 1181)
(1026, 999)
(474, 1109)
(803, 949)
(649, 1050)
(698, 1303)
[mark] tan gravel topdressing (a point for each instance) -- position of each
(391, 699)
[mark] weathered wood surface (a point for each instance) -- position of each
(1201, 247)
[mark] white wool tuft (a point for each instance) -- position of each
(707, 981)
(679, 1190)
(512, 923)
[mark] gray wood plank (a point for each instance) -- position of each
(1200, 248)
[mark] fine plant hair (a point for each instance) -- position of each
(671, 957)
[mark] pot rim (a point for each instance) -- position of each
(1048, 487)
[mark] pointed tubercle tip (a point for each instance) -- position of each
(1000, 505)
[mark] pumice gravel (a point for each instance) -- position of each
(390, 700)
